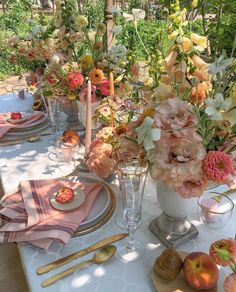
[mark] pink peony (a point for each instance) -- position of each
(230, 283)
(174, 115)
(217, 166)
(177, 162)
(105, 87)
(83, 94)
(192, 187)
(100, 164)
(75, 79)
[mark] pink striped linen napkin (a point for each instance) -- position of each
(30, 217)
(6, 126)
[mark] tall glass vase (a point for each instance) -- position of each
(132, 178)
(172, 227)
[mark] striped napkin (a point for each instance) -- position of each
(30, 217)
(6, 126)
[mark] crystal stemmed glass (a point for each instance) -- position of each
(54, 113)
(132, 178)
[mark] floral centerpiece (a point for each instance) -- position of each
(186, 130)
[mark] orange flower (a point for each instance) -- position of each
(70, 136)
(31, 55)
(199, 94)
(96, 76)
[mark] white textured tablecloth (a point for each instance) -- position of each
(30, 161)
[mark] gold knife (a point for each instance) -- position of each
(49, 267)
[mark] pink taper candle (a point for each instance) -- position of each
(88, 120)
(111, 83)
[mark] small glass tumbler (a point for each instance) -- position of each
(132, 178)
(65, 152)
(215, 209)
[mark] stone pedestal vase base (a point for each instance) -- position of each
(172, 227)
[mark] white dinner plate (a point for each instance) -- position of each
(99, 207)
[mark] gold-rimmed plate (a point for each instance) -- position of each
(101, 212)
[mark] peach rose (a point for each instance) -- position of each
(100, 164)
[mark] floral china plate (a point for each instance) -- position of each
(79, 198)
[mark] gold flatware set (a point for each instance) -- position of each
(104, 252)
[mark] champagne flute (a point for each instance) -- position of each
(132, 176)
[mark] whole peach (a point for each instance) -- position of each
(200, 271)
(70, 136)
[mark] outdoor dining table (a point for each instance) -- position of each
(26, 160)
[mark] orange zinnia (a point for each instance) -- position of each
(96, 76)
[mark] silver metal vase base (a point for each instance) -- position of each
(173, 231)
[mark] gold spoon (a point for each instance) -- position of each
(101, 256)
(33, 139)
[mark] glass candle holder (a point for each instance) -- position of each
(215, 209)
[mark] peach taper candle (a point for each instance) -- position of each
(111, 83)
(88, 120)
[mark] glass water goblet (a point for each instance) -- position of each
(132, 178)
(54, 114)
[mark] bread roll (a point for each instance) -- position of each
(168, 264)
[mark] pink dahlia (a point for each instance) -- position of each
(105, 87)
(217, 165)
(75, 79)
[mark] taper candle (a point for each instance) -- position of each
(88, 120)
(111, 83)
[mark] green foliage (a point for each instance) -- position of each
(6, 68)
(17, 19)
(94, 13)
(222, 38)
(152, 33)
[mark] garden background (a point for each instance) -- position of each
(212, 18)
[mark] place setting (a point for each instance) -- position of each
(20, 126)
(79, 205)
